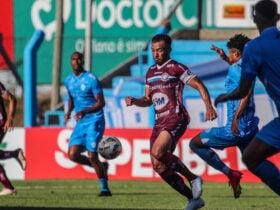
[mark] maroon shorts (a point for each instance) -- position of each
(175, 128)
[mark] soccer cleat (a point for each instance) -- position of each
(105, 194)
(7, 191)
(234, 182)
(196, 185)
(21, 159)
(195, 204)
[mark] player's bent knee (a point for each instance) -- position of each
(157, 154)
(159, 168)
(73, 156)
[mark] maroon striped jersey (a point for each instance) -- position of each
(166, 84)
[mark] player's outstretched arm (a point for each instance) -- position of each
(142, 102)
(197, 84)
(221, 53)
(238, 93)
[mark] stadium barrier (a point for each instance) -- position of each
(46, 153)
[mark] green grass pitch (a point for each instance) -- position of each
(127, 195)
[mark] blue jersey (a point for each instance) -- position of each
(262, 58)
(82, 88)
(247, 121)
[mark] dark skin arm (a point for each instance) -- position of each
(243, 102)
(221, 53)
(70, 108)
(238, 93)
(100, 103)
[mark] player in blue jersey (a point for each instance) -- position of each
(261, 59)
(87, 99)
(241, 126)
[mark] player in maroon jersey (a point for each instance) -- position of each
(165, 82)
(6, 123)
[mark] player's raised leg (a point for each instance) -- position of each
(211, 157)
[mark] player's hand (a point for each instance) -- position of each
(221, 98)
(218, 50)
(210, 114)
(9, 125)
(235, 127)
(78, 116)
(129, 100)
(66, 117)
(221, 52)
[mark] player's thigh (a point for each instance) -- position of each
(218, 138)
(94, 134)
(257, 151)
(270, 133)
(78, 136)
(161, 144)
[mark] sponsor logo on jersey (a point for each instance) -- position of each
(159, 100)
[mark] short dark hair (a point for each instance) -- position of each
(238, 41)
(81, 55)
(267, 8)
(162, 37)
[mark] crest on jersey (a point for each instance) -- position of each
(83, 87)
(164, 77)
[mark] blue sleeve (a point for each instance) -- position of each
(96, 87)
(251, 61)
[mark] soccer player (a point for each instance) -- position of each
(6, 124)
(165, 82)
(261, 58)
(241, 126)
(87, 99)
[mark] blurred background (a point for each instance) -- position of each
(115, 41)
(37, 38)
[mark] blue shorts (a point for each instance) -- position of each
(222, 137)
(87, 133)
(270, 133)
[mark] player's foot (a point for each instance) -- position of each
(7, 191)
(195, 204)
(104, 193)
(196, 185)
(21, 159)
(234, 182)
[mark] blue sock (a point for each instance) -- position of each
(103, 184)
(269, 174)
(210, 157)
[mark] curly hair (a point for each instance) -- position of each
(238, 41)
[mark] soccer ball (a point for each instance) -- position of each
(109, 147)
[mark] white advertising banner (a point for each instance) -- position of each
(231, 13)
